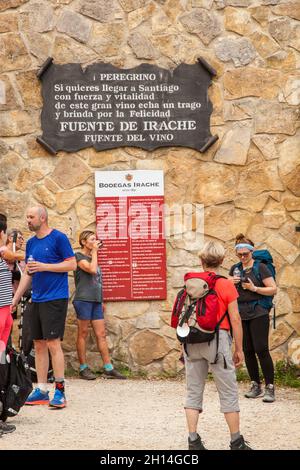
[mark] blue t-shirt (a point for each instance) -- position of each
(54, 248)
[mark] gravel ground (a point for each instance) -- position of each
(148, 414)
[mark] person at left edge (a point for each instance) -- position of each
(52, 257)
(5, 315)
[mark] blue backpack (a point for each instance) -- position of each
(263, 256)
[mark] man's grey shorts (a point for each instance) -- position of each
(197, 363)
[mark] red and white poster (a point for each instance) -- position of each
(130, 221)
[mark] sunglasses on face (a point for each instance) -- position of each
(243, 255)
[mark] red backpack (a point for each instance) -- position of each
(196, 308)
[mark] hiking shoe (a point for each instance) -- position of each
(37, 397)
(87, 374)
(113, 374)
(269, 395)
(59, 400)
(240, 444)
(6, 428)
(255, 390)
(197, 444)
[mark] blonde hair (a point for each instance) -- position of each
(84, 236)
(212, 254)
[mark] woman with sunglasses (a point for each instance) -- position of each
(255, 317)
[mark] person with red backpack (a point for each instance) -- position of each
(204, 312)
(254, 278)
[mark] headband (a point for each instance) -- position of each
(244, 245)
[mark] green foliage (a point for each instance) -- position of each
(286, 375)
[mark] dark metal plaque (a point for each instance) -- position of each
(106, 107)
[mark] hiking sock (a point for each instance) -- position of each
(234, 436)
(60, 384)
(108, 367)
(83, 366)
(43, 387)
(193, 436)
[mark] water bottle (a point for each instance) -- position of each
(30, 259)
(236, 272)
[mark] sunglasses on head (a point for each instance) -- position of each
(243, 255)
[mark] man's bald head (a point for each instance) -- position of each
(37, 216)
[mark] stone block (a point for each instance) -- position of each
(74, 25)
(203, 23)
(100, 10)
(223, 222)
(264, 45)
(6, 4)
(11, 164)
(252, 81)
(239, 50)
(142, 46)
(8, 98)
(8, 22)
(149, 320)
(291, 9)
(70, 172)
(290, 277)
(266, 144)
(39, 45)
(66, 199)
(26, 178)
(238, 21)
(130, 5)
(294, 296)
(67, 50)
(13, 204)
(43, 196)
(258, 178)
(30, 89)
(275, 118)
(294, 351)
(126, 310)
(147, 346)
(16, 123)
(281, 29)
(13, 53)
(38, 16)
(235, 145)
(107, 39)
(136, 17)
(281, 335)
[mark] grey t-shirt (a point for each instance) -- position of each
(88, 286)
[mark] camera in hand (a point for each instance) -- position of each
(244, 279)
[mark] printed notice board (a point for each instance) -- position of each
(130, 221)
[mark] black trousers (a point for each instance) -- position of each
(256, 345)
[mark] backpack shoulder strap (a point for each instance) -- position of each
(256, 270)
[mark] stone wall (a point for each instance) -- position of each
(248, 180)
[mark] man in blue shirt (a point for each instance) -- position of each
(49, 257)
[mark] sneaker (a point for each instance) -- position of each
(197, 444)
(113, 374)
(240, 444)
(59, 400)
(269, 395)
(37, 397)
(87, 374)
(255, 390)
(6, 428)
